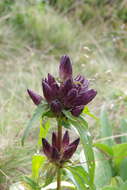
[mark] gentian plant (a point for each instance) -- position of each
(65, 99)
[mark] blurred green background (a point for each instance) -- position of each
(33, 36)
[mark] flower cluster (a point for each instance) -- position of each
(59, 153)
(70, 94)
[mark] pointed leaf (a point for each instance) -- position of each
(123, 127)
(107, 150)
(44, 128)
(78, 176)
(87, 112)
(103, 172)
(106, 128)
(82, 127)
(37, 163)
(40, 111)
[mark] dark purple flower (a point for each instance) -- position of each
(71, 94)
(35, 97)
(65, 68)
(59, 154)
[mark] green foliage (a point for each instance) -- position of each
(106, 128)
(78, 176)
(123, 127)
(37, 163)
(81, 127)
(103, 170)
(39, 113)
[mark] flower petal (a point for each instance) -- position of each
(55, 154)
(47, 149)
(65, 141)
(47, 91)
(70, 150)
(54, 140)
(77, 111)
(35, 97)
(65, 87)
(65, 68)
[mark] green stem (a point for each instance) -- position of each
(59, 179)
(59, 167)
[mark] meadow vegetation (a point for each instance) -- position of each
(33, 36)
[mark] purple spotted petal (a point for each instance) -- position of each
(81, 83)
(65, 68)
(35, 97)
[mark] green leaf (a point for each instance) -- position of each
(119, 152)
(50, 174)
(78, 176)
(110, 188)
(107, 150)
(106, 128)
(66, 185)
(86, 111)
(37, 163)
(116, 181)
(82, 127)
(103, 171)
(40, 111)
(124, 186)
(123, 169)
(123, 127)
(44, 128)
(31, 183)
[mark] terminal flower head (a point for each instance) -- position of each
(71, 94)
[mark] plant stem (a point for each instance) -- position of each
(59, 167)
(59, 137)
(59, 179)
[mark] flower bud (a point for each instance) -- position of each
(46, 148)
(55, 154)
(51, 79)
(66, 87)
(54, 140)
(35, 97)
(65, 68)
(70, 97)
(88, 96)
(77, 111)
(56, 106)
(65, 141)
(70, 150)
(47, 91)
